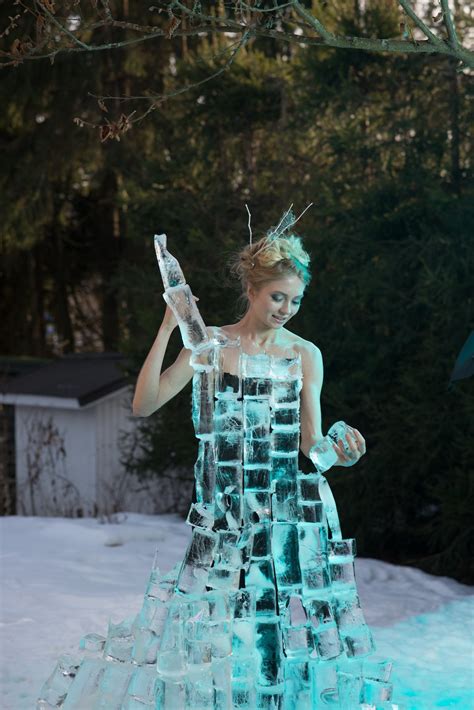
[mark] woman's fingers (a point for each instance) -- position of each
(360, 439)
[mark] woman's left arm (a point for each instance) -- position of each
(310, 407)
(311, 422)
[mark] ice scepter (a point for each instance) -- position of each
(179, 297)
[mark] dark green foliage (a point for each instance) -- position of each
(380, 145)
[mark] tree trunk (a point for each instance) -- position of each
(454, 107)
(61, 296)
(38, 331)
(109, 245)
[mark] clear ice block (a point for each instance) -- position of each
(170, 269)
(205, 471)
(269, 652)
(323, 455)
(256, 414)
(194, 571)
(119, 643)
(55, 689)
(228, 416)
(193, 331)
(257, 452)
(285, 553)
(203, 402)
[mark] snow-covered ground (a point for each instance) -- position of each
(63, 578)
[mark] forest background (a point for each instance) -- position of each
(379, 142)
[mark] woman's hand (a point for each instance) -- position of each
(169, 319)
(356, 443)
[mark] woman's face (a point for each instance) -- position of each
(277, 301)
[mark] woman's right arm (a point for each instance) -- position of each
(154, 389)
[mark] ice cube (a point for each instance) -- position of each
(286, 392)
(286, 442)
(285, 554)
(119, 643)
(195, 567)
(349, 687)
(323, 454)
(256, 365)
(257, 418)
(256, 387)
(229, 476)
(286, 417)
(145, 647)
(269, 652)
(228, 416)
(203, 402)
(229, 447)
(286, 368)
(375, 692)
(257, 507)
(200, 516)
(257, 478)
(92, 642)
(205, 471)
(257, 452)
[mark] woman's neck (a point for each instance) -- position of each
(256, 333)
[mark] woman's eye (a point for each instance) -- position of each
(277, 298)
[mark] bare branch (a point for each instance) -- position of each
(419, 23)
(114, 129)
(286, 21)
(448, 21)
(63, 29)
(313, 22)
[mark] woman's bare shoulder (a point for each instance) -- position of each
(229, 330)
(306, 348)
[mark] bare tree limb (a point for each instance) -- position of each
(289, 22)
(313, 22)
(448, 21)
(436, 41)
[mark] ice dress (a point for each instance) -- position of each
(263, 613)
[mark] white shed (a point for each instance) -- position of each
(69, 418)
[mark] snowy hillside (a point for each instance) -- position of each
(63, 578)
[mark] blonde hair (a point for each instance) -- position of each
(269, 259)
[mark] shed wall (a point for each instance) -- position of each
(118, 490)
(55, 461)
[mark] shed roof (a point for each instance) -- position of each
(74, 380)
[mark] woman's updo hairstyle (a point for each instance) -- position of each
(269, 259)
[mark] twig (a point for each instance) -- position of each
(305, 210)
(249, 225)
(313, 21)
(63, 29)
(419, 23)
(448, 21)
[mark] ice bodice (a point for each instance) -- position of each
(248, 425)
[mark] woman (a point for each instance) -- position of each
(273, 284)
(263, 612)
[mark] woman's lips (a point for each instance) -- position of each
(279, 320)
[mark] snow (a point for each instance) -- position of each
(63, 578)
